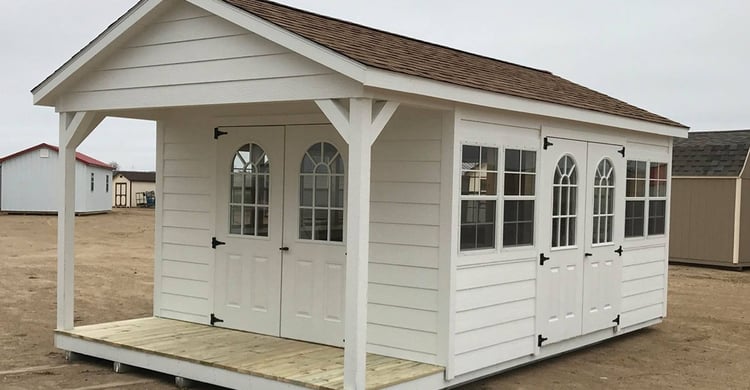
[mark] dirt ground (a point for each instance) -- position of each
(703, 344)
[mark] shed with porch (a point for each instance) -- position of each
(367, 203)
(29, 182)
(711, 203)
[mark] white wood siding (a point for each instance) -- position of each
(190, 57)
(30, 182)
(495, 308)
(186, 276)
(403, 305)
(643, 283)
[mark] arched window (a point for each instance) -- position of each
(564, 198)
(604, 204)
(249, 192)
(321, 196)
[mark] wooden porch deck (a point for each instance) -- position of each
(292, 362)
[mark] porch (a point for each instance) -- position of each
(236, 359)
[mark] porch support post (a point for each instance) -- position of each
(360, 127)
(74, 128)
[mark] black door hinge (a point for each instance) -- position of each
(619, 250)
(215, 319)
(622, 151)
(540, 340)
(547, 143)
(542, 258)
(218, 133)
(215, 242)
(617, 320)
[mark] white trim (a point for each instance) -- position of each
(105, 40)
(744, 166)
(705, 177)
(667, 221)
(283, 37)
(446, 267)
(737, 220)
(393, 81)
(159, 216)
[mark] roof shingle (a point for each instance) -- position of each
(711, 153)
(391, 52)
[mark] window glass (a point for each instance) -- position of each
(519, 191)
(479, 170)
(92, 181)
(604, 207)
(564, 201)
(106, 183)
(249, 183)
(321, 194)
(638, 200)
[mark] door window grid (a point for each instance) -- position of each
(639, 203)
(564, 201)
(519, 197)
(249, 192)
(604, 210)
(322, 194)
(657, 201)
(478, 197)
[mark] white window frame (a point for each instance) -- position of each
(518, 197)
(496, 197)
(647, 198)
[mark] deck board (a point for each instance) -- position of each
(305, 364)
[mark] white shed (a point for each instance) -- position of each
(29, 182)
(130, 187)
(341, 207)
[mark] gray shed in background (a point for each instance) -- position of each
(711, 199)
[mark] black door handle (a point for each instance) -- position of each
(542, 259)
(284, 248)
(619, 250)
(588, 254)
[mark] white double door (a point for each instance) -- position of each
(280, 205)
(580, 267)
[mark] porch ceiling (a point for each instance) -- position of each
(304, 364)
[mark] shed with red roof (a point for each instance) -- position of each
(29, 182)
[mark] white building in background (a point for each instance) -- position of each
(29, 182)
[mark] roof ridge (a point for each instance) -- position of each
(400, 36)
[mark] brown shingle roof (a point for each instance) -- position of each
(711, 153)
(148, 177)
(387, 51)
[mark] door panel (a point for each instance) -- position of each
(121, 195)
(602, 275)
(560, 279)
(314, 266)
(249, 220)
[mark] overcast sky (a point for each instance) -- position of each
(684, 59)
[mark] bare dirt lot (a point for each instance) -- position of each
(703, 344)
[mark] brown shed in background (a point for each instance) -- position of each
(710, 221)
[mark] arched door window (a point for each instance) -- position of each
(249, 192)
(564, 198)
(604, 204)
(321, 197)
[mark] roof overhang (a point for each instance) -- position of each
(48, 91)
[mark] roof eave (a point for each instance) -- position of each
(45, 94)
(398, 82)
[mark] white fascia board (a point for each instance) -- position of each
(43, 94)
(285, 38)
(378, 78)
